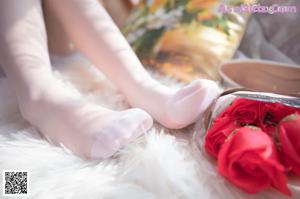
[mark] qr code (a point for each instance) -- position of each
(15, 183)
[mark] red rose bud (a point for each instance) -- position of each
(248, 159)
(245, 111)
(217, 135)
(289, 139)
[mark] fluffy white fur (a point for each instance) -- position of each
(161, 164)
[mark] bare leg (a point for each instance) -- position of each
(95, 35)
(87, 129)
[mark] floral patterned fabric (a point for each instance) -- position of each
(186, 39)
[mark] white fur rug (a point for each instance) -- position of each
(162, 164)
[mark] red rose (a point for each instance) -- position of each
(275, 112)
(217, 134)
(245, 111)
(248, 159)
(289, 139)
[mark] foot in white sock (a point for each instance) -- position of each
(95, 35)
(174, 109)
(87, 129)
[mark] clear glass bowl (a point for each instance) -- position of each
(226, 98)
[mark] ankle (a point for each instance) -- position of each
(38, 97)
(28, 106)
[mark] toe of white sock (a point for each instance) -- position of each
(130, 125)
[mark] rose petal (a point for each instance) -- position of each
(248, 151)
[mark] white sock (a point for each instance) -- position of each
(87, 129)
(174, 108)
